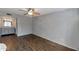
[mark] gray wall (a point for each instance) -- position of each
(24, 25)
(61, 27)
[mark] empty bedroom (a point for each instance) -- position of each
(39, 29)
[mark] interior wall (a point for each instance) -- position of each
(24, 25)
(60, 27)
(14, 23)
(0, 22)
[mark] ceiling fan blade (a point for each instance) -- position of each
(36, 14)
(26, 13)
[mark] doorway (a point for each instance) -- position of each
(7, 25)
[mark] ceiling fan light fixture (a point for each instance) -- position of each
(30, 13)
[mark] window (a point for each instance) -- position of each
(7, 23)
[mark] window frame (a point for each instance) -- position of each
(7, 21)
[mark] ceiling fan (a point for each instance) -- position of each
(31, 12)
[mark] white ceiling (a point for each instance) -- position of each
(42, 11)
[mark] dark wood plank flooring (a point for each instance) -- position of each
(31, 43)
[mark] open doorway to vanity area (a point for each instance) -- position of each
(7, 25)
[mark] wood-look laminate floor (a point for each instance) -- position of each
(31, 43)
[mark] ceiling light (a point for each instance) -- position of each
(30, 12)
